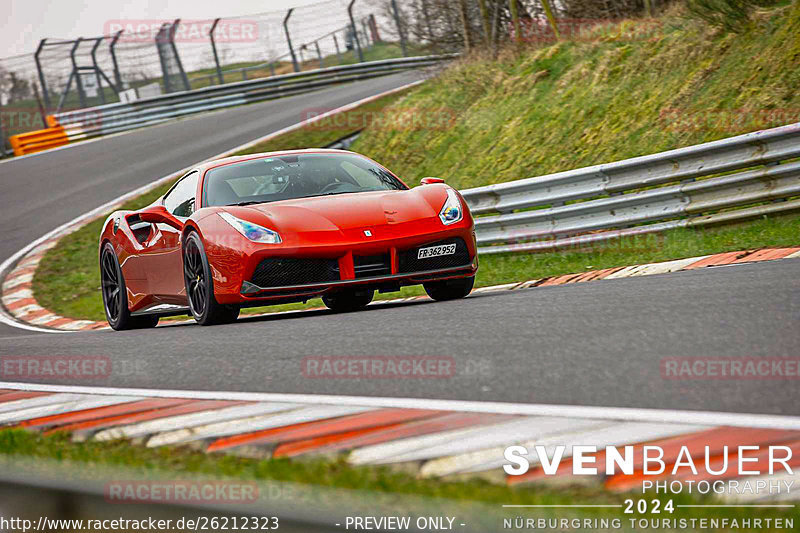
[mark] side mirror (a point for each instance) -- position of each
(428, 181)
(158, 214)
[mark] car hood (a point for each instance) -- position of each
(344, 212)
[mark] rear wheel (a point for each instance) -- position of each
(115, 295)
(449, 289)
(349, 300)
(200, 287)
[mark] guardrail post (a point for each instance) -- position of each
(78, 80)
(214, 49)
(355, 31)
(41, 74)
(400, 31)
(172, 30)
(112, 49)
(289, 40)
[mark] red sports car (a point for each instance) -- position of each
(283, 227)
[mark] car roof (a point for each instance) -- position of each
(237, 158)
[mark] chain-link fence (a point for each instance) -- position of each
(135, 59)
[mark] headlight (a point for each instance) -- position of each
(452, 211)
(254, 232)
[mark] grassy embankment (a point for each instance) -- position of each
(629, 89)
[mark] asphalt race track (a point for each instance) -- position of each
(599, 343)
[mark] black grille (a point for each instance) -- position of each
(410, 263)
(282, 272)
(371, 265)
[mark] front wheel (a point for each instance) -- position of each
(349, 300)
(115, 295)
(450, 289)
(200, 287)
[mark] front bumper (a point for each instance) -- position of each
(349, 265)
(414, 278)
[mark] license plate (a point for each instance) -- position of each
(436, 251)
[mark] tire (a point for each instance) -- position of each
(115, 295)
(349, 300)
(200, 287)
(451, 289)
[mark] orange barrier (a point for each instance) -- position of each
(37, 141)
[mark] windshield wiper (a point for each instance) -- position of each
(329, 194)
(247, 203)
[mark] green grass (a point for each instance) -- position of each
(638, 90)
(331, 473)
(631, 89)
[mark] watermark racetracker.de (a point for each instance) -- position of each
(730, 368)
(67, 367)
(392, 367)
(181, 492)
(187, 31)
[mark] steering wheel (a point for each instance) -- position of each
(331, 186)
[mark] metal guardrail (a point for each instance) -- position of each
(713, 183)
(117, 117)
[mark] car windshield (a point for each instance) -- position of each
(292, 176)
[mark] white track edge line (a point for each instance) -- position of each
(629, 414)
(7, 319)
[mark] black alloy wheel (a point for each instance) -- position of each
(115, 295)
(200, 287)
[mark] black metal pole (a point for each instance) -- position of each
(214, 49)
(41, 107)
(66, 91)
(97, 69)
(112, 50)
(399, 28)
(338, 53)
(319, 54)
(41, 74)
(355, 31)
(289, 40)
(172, 30)
(162, 40)
(78, 80)
(2, 135)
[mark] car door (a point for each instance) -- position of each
(164, 261)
